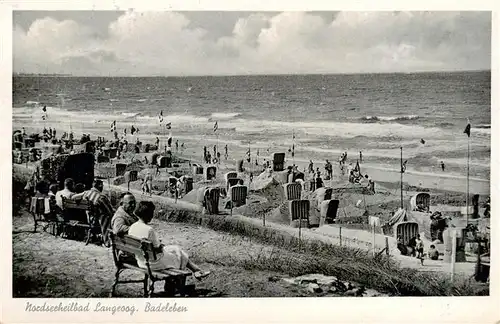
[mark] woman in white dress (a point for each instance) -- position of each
(168, 256)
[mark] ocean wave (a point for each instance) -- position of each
(389, 118)
(141, 100)
(113, 100)
(481, 131)
(445, 124)
(224, 115)
(31, 102)
(130, 115)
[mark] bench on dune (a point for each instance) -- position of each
(175, 279)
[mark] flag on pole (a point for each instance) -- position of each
(403, 167)
(248, 155)
(113, 126)
(467, 128)
(293, 150)
(357, 167)
(132, 130)
(216, 126)
(44, 115)
(168, 125)
(160, 116)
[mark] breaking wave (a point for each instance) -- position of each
(389, 118)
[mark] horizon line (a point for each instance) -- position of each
(21, 74)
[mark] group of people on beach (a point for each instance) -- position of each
(129, 218)
(355, 175)
(415, 248)
(216, 157)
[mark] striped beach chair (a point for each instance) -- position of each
(212, 200)
(299, 213)
(239, 195)
(210, 173)
(120, 169)
(161, 161)
(197, 169)
(188, 184)
(328, 211)
(230, 175)
(130, 176)
(232, 182)
(322, 194)
(278, 161)
(292, 191)
(41, 210)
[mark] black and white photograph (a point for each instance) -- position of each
(232, 154)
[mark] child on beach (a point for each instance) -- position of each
(420, 249)
(433, 253)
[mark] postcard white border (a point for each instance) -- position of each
(253, 310)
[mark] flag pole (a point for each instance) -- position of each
(401, 177)
(467, 198)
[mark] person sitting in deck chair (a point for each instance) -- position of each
(103, 207)
(67, 192)
(401, 246)
(169, 256)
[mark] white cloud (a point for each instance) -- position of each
(165, 43)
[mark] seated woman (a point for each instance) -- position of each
(169, 256)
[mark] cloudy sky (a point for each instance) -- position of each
(221, 43)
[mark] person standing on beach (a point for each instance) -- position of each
(157, 142)
(442, 166)
(205, 153)
(176, 145)
(225, 152)
(319, 181)
(311, 167)
(147, 185)
(329, 169)
(360, 157)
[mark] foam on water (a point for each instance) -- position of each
(389, 118)
(342, 129)
(224, 115)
